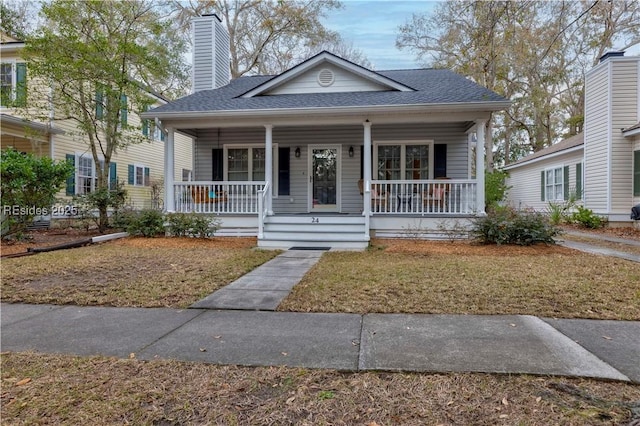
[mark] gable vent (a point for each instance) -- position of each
(325, 77)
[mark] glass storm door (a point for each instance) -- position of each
(323, 171)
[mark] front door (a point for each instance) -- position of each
(324, 178)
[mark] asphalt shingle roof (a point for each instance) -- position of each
(563, 145)
(432, 87)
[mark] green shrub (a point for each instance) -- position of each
(508, 226)
(191, 224)
(148, 223)
(205, 227)
(496, 188)
(179, 224)
(587, 218)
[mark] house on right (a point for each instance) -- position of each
(602, 164)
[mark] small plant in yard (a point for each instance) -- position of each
(322, 395)
(587, 218)
(148, 223)
(508, 226)
(559, 210)
(415, 231)
(496, 188)
(191, 224)
(453, 230)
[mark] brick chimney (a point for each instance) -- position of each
(211, 53)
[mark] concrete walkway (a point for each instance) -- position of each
(266, 286)
(594, 248)
(426, 343)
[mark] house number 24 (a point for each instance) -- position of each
(315, 220)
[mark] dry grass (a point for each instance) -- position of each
(61, 390)
(156, 272)
(461, 278)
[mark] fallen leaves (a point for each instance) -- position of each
(23, 381)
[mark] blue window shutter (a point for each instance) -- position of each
(579, 181)
(21, 84)
(132, 174)
(99, 103)
(542, 186)
(113, 177)
(565, 182)
(71, 180)
(147, 172)
(124, 107)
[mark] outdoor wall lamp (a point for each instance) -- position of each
(297, 152)
(351, 151)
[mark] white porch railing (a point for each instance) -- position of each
(217, 197)
(425, 197)
(263, 209)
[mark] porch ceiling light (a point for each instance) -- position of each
(351, 151)
(297, 152)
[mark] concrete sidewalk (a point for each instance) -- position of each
(427, 343)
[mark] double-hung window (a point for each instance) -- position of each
(85, 178)
(404, 161)
(248, 163)
(554, 184)
(13, 84)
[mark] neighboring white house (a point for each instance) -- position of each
(137, 166)
(602, 163)
(327, 151)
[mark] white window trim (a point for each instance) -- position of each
(137, 166)
(14, 79)
(403, 155)
(546, 184)
(94, 179)
(274, 177)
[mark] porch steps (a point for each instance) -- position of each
(338, 231)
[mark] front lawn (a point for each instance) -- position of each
(64, 390)
(463, 278)
(143, 272)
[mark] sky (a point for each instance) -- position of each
(372, 27)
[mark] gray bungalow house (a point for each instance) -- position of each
(327, 152)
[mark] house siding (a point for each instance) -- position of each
(148, 154)
(525, 182)
(351, 201)
(210, 70)
(624, 114)
(597, 133)
(344, 81)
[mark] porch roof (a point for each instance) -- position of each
(433, 88)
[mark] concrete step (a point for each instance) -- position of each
(315, 236)
(315, 227)
(316, 220)
(335, 245)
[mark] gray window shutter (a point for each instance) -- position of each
(542, 185)
(147, 174)
(131, 174)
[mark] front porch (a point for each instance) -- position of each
(334, 185)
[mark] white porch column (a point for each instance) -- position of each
(169, 202)
(366, 164)
(480, 126)
(268, 167)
